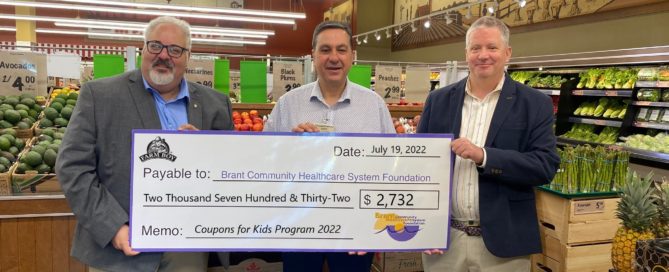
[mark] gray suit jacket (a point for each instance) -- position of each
(93, 164)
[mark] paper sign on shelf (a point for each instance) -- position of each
(388, 83)
(201, 71)
(23, 72)
(288, 75)
(417, 84)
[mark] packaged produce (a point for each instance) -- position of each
(665, 95)
(642, 116)
(658, 143)
(663, 74)
(654, 115)
(647, 74)
(652, 95)
(664, 116)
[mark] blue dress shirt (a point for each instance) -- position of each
(173, 113)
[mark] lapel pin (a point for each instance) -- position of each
(194, 105)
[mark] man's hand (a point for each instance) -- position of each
(433, 251)
(306, 127)
(188, 127)
(467, 150)
(122, 242)
(359, 253)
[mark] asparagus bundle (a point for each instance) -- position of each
(586, 169)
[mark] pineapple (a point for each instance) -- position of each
(661, 226)
(637, 212)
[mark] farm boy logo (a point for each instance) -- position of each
(158, 149)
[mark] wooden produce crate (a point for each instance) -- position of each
(6, 182)
(31, 181)
(577, 220)
(558, 257)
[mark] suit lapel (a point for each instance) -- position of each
(146, 106)
(506, 100)
(456, 109)
(194, 106)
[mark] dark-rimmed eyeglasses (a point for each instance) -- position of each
(173, 50)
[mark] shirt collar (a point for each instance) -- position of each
(183, 90)
(498, 88)
(345, 96)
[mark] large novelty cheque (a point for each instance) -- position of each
(204, 191)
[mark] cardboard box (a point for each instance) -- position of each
(579, 220)
(251, 265)
(398, 262)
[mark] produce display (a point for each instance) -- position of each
(661, 224)
(586, 169)
(10, 146)
(648, 74)
(637, 212)
(19, 111)
(652, 95)
(659, 143)
(586, 132)
(609, 78)
(406, 125)
(247, 121)
(537, 80)
(604, 107)
(42, 156)
(59, 111)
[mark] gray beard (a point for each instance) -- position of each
(161, 79)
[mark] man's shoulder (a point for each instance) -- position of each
(113, 82)
(449, 89)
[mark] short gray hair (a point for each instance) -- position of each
(185, 27)
(488, 21)
(331, 25)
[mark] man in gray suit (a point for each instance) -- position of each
(94, 159)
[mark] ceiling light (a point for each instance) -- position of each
(196, 9)
(491, 8)
(365, 39)
(449, 20)
(131, 24)
(132, 36)
(357, 40)
(469, 13)
(141, 29)
(388, 33)
(413, 28)
(150, 12)
(377, 36)
(398, 29)
(522, 3)
(426, 24)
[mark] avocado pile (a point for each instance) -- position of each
(19, 111)
(42, 156)
(10, 146)
(58, 113)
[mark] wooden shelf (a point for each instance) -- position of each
(266, 108)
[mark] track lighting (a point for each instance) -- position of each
(377, 36)
(397, 30)
(469, 13)
(413, 28)
(426, 24)
(357, 40)
(388, 33)
(449, 20)
(364, 40)
(522, 3)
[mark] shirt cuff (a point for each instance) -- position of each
(485, 157)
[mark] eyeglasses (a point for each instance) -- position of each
(173, 50)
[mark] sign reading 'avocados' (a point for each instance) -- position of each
(388, 83)
(353, 192)
(22, 72)
(287, 76)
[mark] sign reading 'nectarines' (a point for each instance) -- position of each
(289, 191)
(200, 71)
(388, 84)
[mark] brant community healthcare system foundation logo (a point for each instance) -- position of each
(158, 149)
(399, 227)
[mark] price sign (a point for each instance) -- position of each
(388, 83)
(577, 92)
(22, 72)
(201, 71)
(417, 84)
(235, 85)
(287, 75)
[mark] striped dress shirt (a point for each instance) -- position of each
(476, 116)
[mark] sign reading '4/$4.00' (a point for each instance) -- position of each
(22, 72)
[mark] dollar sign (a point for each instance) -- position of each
(367, 201)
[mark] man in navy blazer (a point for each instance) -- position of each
(504, 146)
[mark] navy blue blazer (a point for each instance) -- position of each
(521, 154)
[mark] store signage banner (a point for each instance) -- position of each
(253, 81)
(287, 75)
(289, 192)
(222, 76)
(417, 84)
(23, 72)
(361, 74)
(200, 71)
(388, 82)
(108, 65)
(63, 65)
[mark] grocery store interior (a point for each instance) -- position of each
(604, 64)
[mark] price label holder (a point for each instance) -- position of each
(387, 83)
(22, 72)
(309, 192)
(287, 75)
